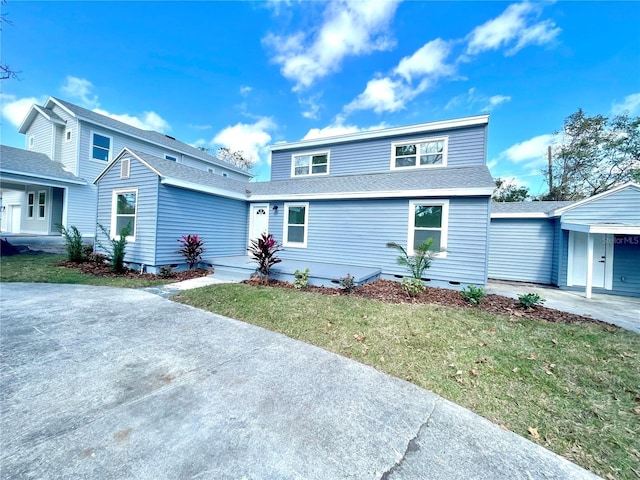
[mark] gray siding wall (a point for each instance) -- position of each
(622, 207)
(221, 222)
(81, 208)
(41, 129)
(68, 150)
(142, 250)
(522, 250)
(626, 265)
(466, 148)
(563, 258)
(557, 252)
(355, 232)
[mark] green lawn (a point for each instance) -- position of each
(574, 389)
(42, 269)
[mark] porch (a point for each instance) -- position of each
(241, 267)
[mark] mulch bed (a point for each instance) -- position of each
(104, 270)
(392, 292)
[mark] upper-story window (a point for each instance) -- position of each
(431, 152)
(101, 146)
(310, 164)
(170, 157)
(31, 142)
(68, 136)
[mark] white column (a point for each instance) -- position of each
(589, 283)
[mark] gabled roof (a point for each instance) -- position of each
(624, 186)
(429, 182)
(26, 163)
(150, 136)
(526, 209)
(386, 132)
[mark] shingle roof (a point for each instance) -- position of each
(33, 164)
(149, 135)
(527, 207)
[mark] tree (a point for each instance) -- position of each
(507, 191)
(237, 158)
(592, 155)
(6, 72)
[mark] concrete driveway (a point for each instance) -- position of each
(102, 383)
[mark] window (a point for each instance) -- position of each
(211, 170)
(124, 209)
(296, 216)
(31, 142)
(170, 157)
(225, 174)
(100, 148)
(42, 197)
(310, 164)
(68, 136)
(31, 204)
(421, 154)
(428, 219)
(125, 168)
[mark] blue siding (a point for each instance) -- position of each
(221, 222)
(466, 148)
(563, 258)
(142, 250)
(621, 207)
(521, 249)
(557, 252)
(355, 232)
(626, 265)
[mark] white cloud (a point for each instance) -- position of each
(478, 101)
(80, 89)
(312, 108)
(512, 27)
(245, 90)
(350, 28)
(200, 127)
(15, 109)
(386, 95)
(250, 138)
(494, 101)
(338, 128)
(630, 105)
(147, 121)
(532, 153)
(427, 60)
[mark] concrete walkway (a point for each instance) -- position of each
(105, 383)
(621, 311)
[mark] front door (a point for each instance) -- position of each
(13, 218)
(258, 220)
(602, 260)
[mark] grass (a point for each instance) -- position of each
(42, 269)
(574, 389)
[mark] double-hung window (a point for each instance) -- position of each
(31, 204)
(428, 220)
(124, 208)
(100, 147)
(296, 224)
(310, 164)
(420, 154)
(42, 202)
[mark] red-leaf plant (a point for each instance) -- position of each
(263, 251)
(191, 248)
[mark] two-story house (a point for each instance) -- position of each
(335, 200)
(67, 146)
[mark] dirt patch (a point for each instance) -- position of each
(8, 249)
(392, 292)
(104, 270)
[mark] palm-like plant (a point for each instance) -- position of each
(419, 262)
(263, 251)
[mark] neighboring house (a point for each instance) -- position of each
(334, 200)
(79, 144)
(591, 245)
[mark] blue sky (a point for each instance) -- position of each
(249, 74)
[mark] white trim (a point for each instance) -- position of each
(387, 132)
(251, 222)
(444, 226)
(449, 192)
(200, 188)
(114, 216)
(91, 144)
(44, 214)
(125, 168)
(607, 228)
(520, 215)
(310, 154)
(445, 151)
(608, 265)
(41, 177)
(570, 254)
(285, 224)
(34, 205)
(31, 142)
(589, 283)
(562, 210)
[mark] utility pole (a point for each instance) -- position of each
(550, 171)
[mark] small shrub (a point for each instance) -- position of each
(302, 278)
(263, 251)
(348, 283)
(87, 250)
(116, 248)
(418, 263)
(97, 259)
(167, 272)
(191, 248)
(413, 286)
(73, 243)
(473, 294)
(530, 300)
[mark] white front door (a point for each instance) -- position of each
(602, 260)
(258, 220)
(13, 219)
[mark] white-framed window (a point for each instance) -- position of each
(123, 212)
(125, 168)
(100, 147)
(31, 142)
(42, 203)
(170, 157)
(68, 135)
(428, 219)
(296, 224)
(31, 204)
(211, 170)
(424, 153)
(307, 164)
